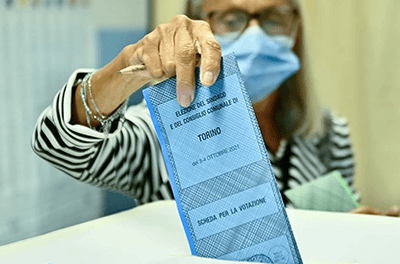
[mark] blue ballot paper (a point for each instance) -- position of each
(220, 173)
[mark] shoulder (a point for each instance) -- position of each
(334, 127)
(336, 124)
(333, 139)
(334, 143)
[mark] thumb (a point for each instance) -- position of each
(393, 211)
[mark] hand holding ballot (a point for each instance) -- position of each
(171, 49)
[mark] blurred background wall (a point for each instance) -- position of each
(355, 66)
(41, 43)
(354, 60)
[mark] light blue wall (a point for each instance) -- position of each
(40, 46)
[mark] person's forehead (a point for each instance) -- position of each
(251, 6)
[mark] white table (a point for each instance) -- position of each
(153, 234)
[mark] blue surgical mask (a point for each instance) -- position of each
(265, 61)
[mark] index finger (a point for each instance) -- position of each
(210, 52)
(185, 54)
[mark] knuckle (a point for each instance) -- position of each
(157, 73)
(186, 53)
(164, 30)
(169, 66)
(162, 27)
(185, 81)
(169, 74)
(203, 24)
(144, 56)
(213, 45)
(151, 38)
(210, 64)
(180, 19)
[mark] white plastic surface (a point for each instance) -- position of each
(153, 234)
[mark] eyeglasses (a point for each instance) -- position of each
(275, 21)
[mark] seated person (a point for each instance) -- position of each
(88, 133)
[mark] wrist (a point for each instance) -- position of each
(125, 56)
(108, 84)
(104, 122)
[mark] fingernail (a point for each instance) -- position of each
(185, 99)
(208, 77)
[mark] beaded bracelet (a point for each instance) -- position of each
(105, 122)
(88, 112)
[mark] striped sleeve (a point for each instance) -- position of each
(342, 158)
(128, 160)
(338, 153)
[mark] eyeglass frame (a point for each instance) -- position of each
(250, 16)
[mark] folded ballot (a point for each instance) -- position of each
(328, 193)
(220, 173)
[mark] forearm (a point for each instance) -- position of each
(129, 160)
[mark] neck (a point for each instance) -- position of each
(265, 112)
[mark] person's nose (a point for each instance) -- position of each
(254, 22)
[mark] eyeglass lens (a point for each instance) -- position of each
(274, 21)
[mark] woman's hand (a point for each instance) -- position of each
(171, 49)
(393, 211)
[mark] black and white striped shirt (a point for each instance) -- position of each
(130, 159)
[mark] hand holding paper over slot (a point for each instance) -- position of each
(223, 183)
